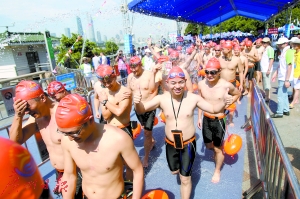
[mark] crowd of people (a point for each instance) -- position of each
(90, 157)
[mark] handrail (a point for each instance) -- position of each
(22, 77)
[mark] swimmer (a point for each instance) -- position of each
(56, 90)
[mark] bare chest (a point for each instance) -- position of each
(141, 82)
(230, 64)
(212, 95)
(48, 130)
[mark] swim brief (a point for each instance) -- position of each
(181, 159)
(233, 81)
(147, 119)
(127, 128)
(213, 129)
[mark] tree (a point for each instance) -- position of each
(89, 49)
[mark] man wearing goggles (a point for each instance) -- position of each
(144, 81)
(212, 89)
(57, 91)
(97, 149)
(178, 105)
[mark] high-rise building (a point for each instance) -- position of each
(79, 26)
(68, 32)
(99, 37)
(53, 34)
(105, 38)
(91, 32)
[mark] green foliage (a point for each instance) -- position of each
(89, 49)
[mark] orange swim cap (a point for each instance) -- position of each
(104, 72)
(228, 45)
(20, 176)
(213, 63)
(55, 87)
(176, 72)
(27, 90)
(72, 111)
(249, 43)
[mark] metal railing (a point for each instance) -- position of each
(277, 177)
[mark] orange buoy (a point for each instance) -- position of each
(237, 83)
(137, 131)
(155, 121)
(201, 73)
(195, 87)
(233, 144)
(156, 194)
(162, 117)
(231, 107)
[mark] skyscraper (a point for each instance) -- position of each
(68, 32)
(91, 32)
(105, 38)
(99, 37)
(79, 26)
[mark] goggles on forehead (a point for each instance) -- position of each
(105, 77)
(135, 64)
(176, 74)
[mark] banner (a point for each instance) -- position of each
(273, 31)
(68, 80)
(287, 31)
(7, 97)
(128, 49)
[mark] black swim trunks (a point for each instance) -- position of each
(250, 74)
(128, 130)
(181, 159)
(213, 130)
(257, 66)
(147, 119)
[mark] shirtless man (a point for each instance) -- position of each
(252, 55)
(148, 86)
(244, 60)
(98, 150)
(115, 110)
(212, 88)
(242, 46)
(218, 51)
(229, 65)
(180, 121)
(260, 50)
(206, 56)
(30, 99)
(56, 90)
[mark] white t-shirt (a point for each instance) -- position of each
(103, 59)
(96, 62)
(265, 59)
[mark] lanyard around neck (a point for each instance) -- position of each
(176, 117)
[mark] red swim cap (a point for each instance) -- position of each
(174, 54)
(248, 43)
(72, 111)
(170, 50)
(242, 43)
(135, 60)
(218, 47)
(176, 72)
(20, 176)
(236, 47)
(104, 72)
(55, 87)
(27, 90)
(222, 41)
(162, 59)
(179, 48)
(213, 63)
(227, 44)
(189, 51)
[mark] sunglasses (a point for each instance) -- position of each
(102, 78)
(175, 74)
(217, 50)
(212, 72)
(72, 133)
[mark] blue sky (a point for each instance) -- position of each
(55, 15)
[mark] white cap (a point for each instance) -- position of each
(295, 40)
(147, 50)
(282, 40)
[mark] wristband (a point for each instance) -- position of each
(104, 102)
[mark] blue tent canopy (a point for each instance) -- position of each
(209, 12)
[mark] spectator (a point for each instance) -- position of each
(285, 76)
(266, 64)
(103, 59)
(296, 81)
(87, 70)
(120, 59)
(147, 61)
(96, 60)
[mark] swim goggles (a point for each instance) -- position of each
(176, 74)
(212, 72)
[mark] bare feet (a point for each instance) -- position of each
(145, 162)
(216, 177)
